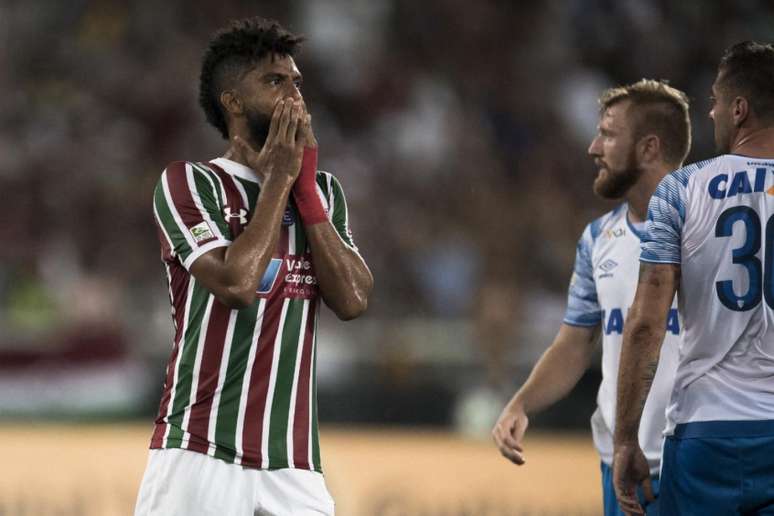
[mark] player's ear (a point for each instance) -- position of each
(649, 148)
(740, 109)
(231, 102)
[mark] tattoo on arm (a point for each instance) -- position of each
(648, 374)
(649, 275)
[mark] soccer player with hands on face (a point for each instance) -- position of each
(251, 243)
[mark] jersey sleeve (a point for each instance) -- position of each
(188, 214)
(663, 229)
(337, 207)
(582, 303)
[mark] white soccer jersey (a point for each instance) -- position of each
(601, 291)
(714, 218)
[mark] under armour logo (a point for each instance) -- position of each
(242, 214)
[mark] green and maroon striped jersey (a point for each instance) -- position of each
(240, 384)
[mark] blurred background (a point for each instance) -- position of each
(459, 132)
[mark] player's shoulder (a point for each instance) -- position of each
(327, 181)
(683, 175)
(178, 170)
(176, 167)
(605, 222)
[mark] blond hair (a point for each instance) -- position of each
(656, 108)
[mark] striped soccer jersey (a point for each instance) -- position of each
(240, 384)
(602, 289)
(716, 220)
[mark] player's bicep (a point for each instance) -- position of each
(583, 338)
(188, 214)
(656, 288)
(337, 209)
(209, 270)
(583, 307)
(662, 241)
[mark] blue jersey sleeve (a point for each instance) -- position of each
(582, 304)
(666, 214)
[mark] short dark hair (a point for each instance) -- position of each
(747, 69)
(657, 108)
(232, 52)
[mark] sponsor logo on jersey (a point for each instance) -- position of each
(300, 279)
(615, 233)
(297, 277)
(270, 276)
(241, 215)
(613, 321)
(201, 232)
(723, 186)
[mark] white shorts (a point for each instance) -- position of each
(187, 483)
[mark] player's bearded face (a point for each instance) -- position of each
(258, 124)
(613, 182)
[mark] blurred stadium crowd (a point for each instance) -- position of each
(459, 131)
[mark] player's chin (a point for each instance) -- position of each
(605, 188)
(603, 177)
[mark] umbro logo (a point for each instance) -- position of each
(608, 265)
(242, 215)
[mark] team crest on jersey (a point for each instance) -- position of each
(241, 215)
(201, 232)
(289, 217)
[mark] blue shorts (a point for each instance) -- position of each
(718, 468)
(611, 502)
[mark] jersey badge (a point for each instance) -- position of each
(289, 217)
(201, 232)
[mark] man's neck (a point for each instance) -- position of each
(234, 152)
(756, 143)
(639, 195)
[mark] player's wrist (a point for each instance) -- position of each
(625, 439)
(517, 405)
(278, 180)
(308, 201)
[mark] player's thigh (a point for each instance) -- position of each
(185, 483)
(700, 476)
(758, 467)
(294, 492)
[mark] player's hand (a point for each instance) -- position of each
(282, 152)
(630, 469)
(305, 131)
(509, 431)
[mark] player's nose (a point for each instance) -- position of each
(294, 93)
(594, 147)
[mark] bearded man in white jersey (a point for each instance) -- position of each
(710, 237)
(252, 242)
(644, 132)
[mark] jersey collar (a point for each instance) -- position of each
(236, 169)
(638, 233)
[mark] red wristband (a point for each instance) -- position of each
(308, 202)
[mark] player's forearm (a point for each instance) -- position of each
(643, 336)
(343, 277)
(558, 370)
(248, 256)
